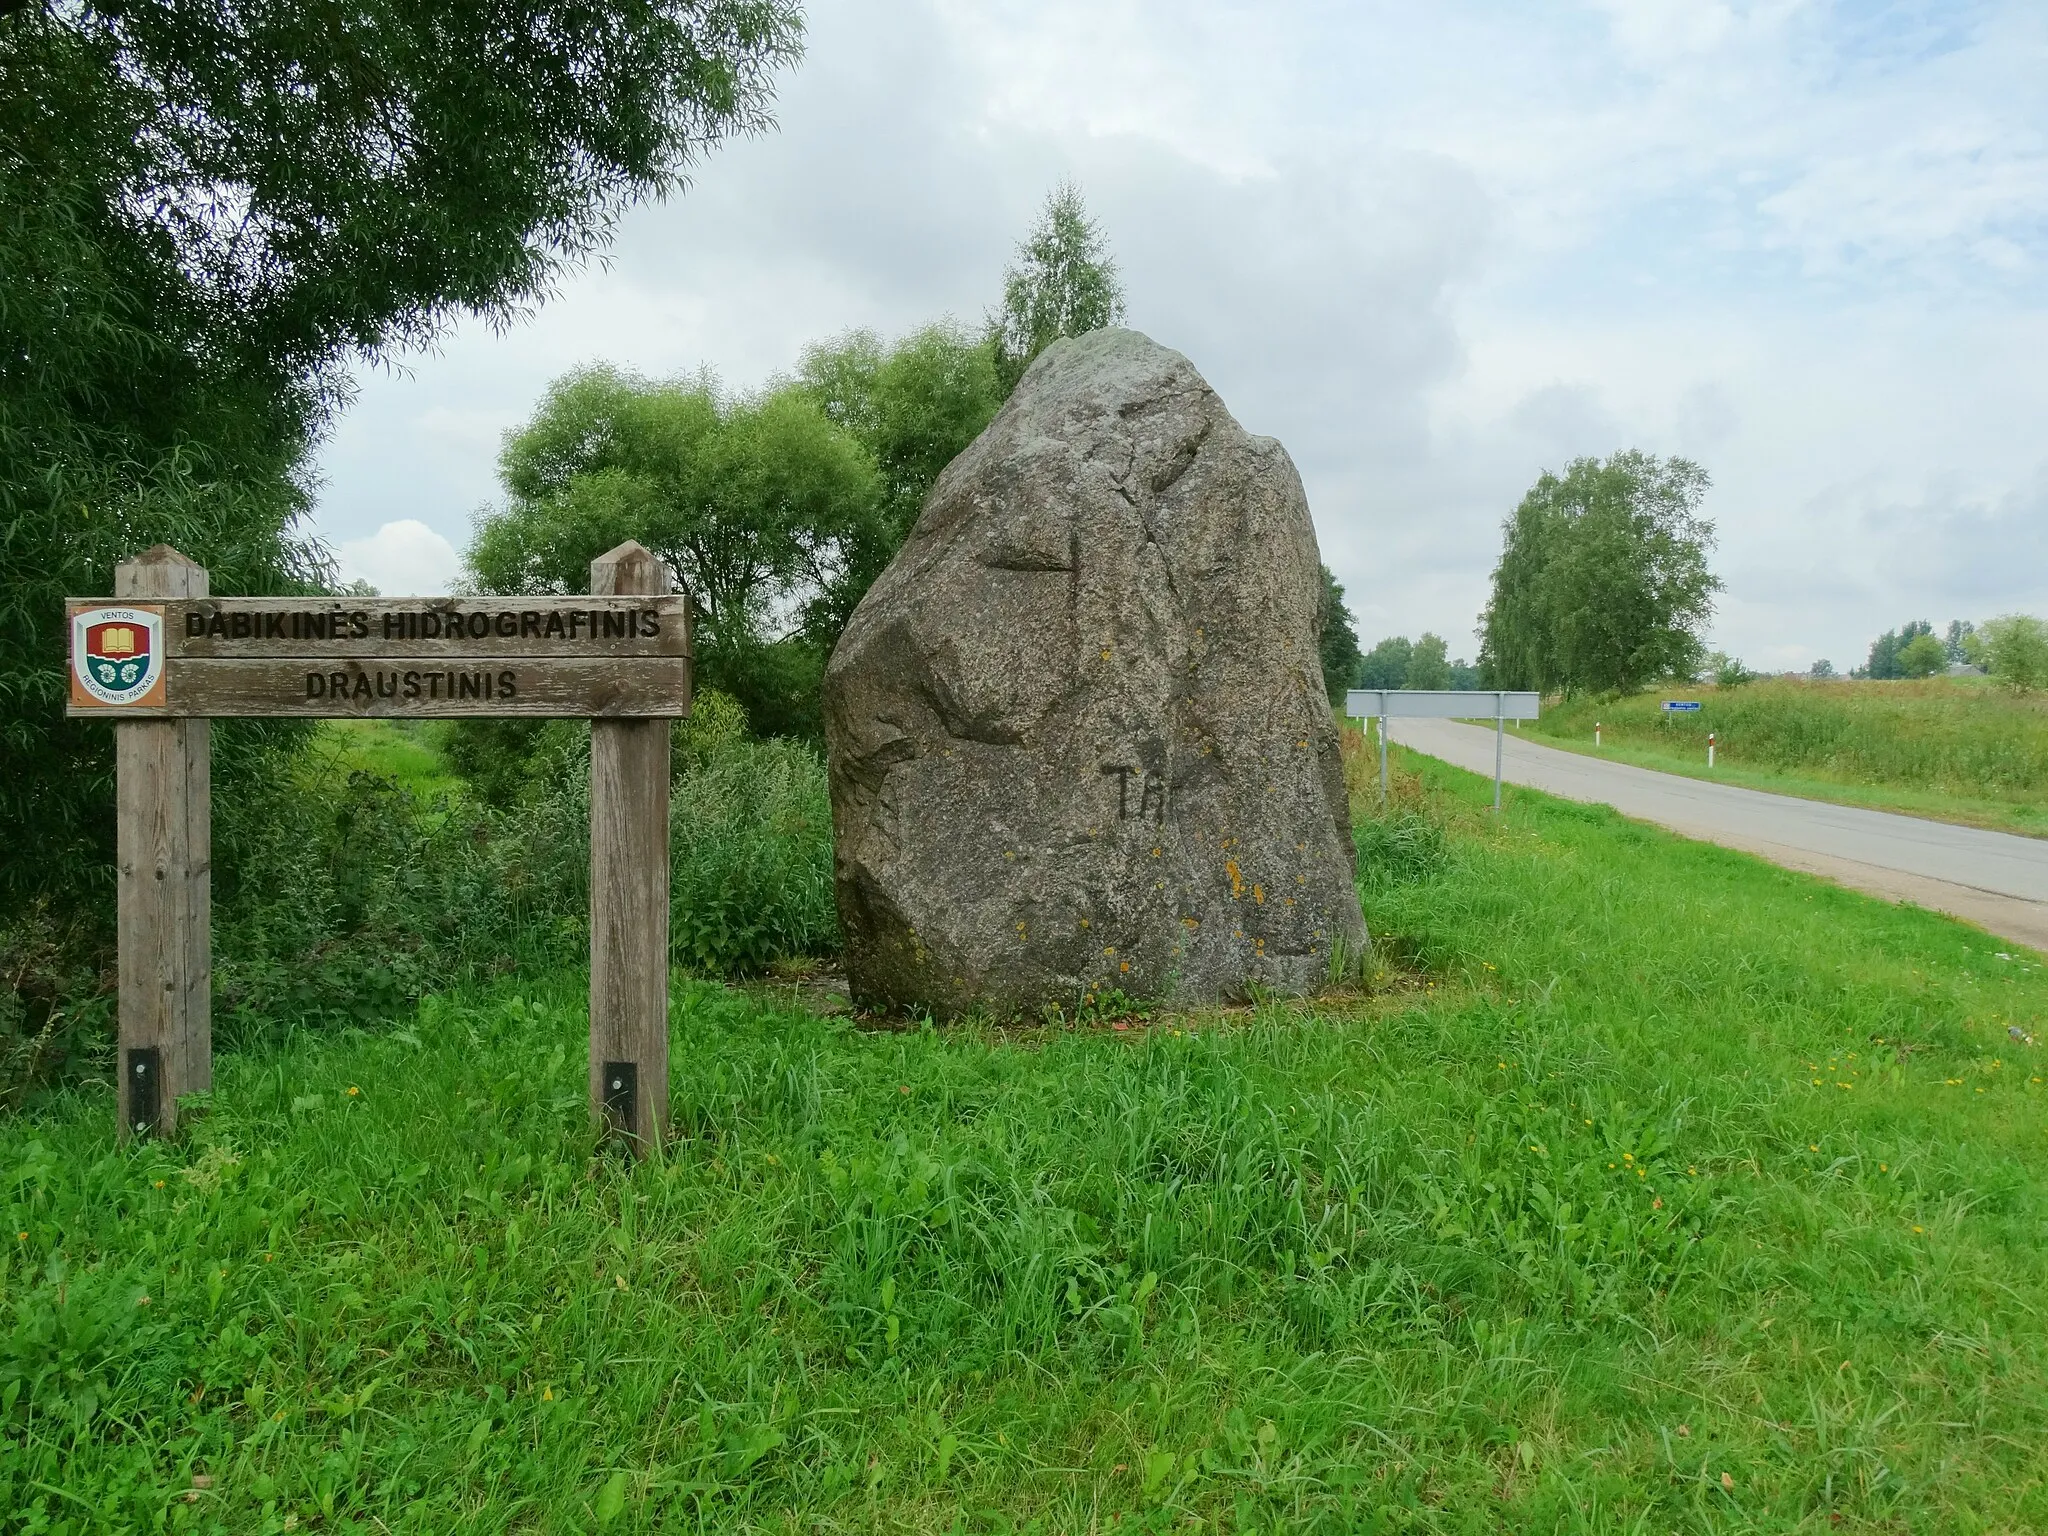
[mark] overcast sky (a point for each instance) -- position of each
(1434, 249)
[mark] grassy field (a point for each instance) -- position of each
(1650, 1188)
(399, 750)
(1953, 749)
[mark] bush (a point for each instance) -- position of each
(1726, 671)
(1922, 656)
(2016, 650)
(341, 895)
(752, 829)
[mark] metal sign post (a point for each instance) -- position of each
(162, 658)
(1499, 705)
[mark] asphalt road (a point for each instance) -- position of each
(1994, 879)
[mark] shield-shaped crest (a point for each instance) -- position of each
(117, 655)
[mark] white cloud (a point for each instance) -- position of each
(1434, 250)
(401, 559)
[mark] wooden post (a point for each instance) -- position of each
(629, 893)
(164, 891)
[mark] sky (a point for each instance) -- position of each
(1435, 250)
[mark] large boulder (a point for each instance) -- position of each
(1078, 733)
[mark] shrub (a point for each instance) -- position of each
(341, 895)
(752, 829)
(2016, 650)
(1922, 656)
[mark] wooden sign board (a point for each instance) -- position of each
(162, 657)
(403, 658)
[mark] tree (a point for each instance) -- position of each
(1337, 638)
(758, 503)
(1429, 665)
(1063, 283)
(915, 407)
(1922, 656)
(1822, 670)
(214, 209)
(1961, 645)
(1603, 579)
(1884, 664)
(2016, 650)
(1725, 671)
(1386, 664)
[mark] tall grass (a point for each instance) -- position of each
(1671, 1192)
(1960, 737)
(354, 876)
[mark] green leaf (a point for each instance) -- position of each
(611, 1503)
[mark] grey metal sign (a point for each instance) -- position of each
(1497, 705)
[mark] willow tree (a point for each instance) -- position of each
(1603, 580)
(762, 504)
(214, 210)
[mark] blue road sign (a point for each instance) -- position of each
(1681, 706)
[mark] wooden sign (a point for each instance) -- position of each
(162, 657)
(212, 658)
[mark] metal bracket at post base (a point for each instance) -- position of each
(622, 1098)
(142, 1091)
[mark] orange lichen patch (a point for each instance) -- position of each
(1259, 895)
(1236, 877)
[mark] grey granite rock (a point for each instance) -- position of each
(1077, 730)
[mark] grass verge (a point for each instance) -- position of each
(1685, 1194)
(1947, 749)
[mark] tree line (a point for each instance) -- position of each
(218, 210)
(779, 507)
(2012, 648)
(1602, 584)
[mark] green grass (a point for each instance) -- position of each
(394, 749)
(1950, 749)
(1568, 1227)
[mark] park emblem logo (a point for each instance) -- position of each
(117, 656)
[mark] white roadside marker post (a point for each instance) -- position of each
(1383, 750)
(1710, 749)
(1500, 731)
(1596, 733)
